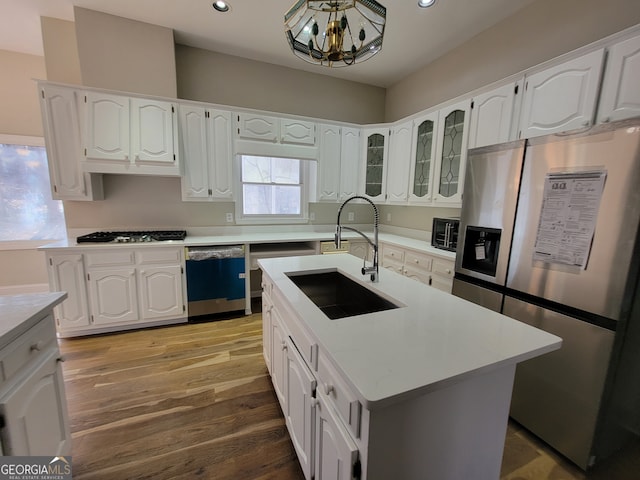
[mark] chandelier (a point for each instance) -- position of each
(335, 33)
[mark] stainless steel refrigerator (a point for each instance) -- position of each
(549, 236)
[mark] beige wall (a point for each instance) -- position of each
(126, 55)
(543, 30)
(60, 50)
(20, 115)
(213, 77)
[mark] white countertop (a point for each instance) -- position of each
(436, 340)
(18, 313)
(262, 238)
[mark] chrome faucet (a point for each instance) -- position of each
(373, 269)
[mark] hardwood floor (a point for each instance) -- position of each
(195, 401)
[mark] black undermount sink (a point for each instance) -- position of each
(338, 296)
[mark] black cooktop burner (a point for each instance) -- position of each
(127, 237)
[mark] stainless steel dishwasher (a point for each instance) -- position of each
(215, 279)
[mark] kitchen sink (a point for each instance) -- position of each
(338, 296)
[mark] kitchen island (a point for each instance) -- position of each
(419, 391)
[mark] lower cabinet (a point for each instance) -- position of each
(117, 288)
(425, 268)
(33, 404)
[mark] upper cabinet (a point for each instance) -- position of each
(374, 155)
(206, 151)
(61, 126)
(451, 153)
(620, 97)
(562, 97)
(492, 116)
(423, 152)
(349, 162)
(130, 135)
(328, 182)
(399, 162)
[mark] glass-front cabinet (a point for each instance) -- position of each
(375, 162)
(422, 156)
(451, 154)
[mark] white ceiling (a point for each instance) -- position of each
(253, 29)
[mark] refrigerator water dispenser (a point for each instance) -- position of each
(481, 249)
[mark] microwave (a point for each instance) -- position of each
(444, 233)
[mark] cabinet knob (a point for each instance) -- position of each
(328, 388)
(448, 270)
(284, 346)
(314, 402)
(39, 345)
(417, 261)
(606, 120)
(61, 359)
(585, 123)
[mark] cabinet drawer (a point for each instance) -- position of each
(392, 255)
(443, 267)
(26, 347)
(340, 395)
(417, 261)
(146, 256)
(110, 258)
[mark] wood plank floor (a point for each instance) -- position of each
(195, 401)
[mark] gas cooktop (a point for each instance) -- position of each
(130, 237)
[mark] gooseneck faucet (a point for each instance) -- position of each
(372, 270)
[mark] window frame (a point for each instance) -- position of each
(273, 219)
(31, 141)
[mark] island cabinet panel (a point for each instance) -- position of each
(66, 274)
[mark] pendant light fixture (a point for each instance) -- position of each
(335, 33)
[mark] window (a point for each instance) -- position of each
(272, 189)
(27, 211)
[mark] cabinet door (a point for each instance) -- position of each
(329, 163)
(258, 127)
(107, 136)
(66, 274)
(35, 412)
(113, 295)
(360, 249)
(349, 162)
(336, 453)
(423, 153)
(279, 359)
(300, 416)
(152, 125)
(451, 154)
(161, 292)
(620, 97)
(220, 154)
(267, 307)
(193, 137)
(399, 163)
(61, 124)
(491, 116)
(375, 162)
(297, 132)
(562, 97)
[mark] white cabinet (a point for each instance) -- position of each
(329, 161)
(451, 154)
(32, 398)
(428, 269)
(562, 97)
(118, 288)
(349, 162)
(66, 274)
(374, 162)
(423, 152)
(492, 116)
(300, 415)
(620, 97)
(279, 359)
(130, 135)
(399, 163)
(267, 307)
(336, 453)
(205, 136)
(61, 126)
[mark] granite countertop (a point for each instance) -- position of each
(18, 313)
(434, 340)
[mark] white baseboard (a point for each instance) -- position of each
(24, 289)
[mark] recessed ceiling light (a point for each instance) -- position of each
(221, 6)
(425, 3)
